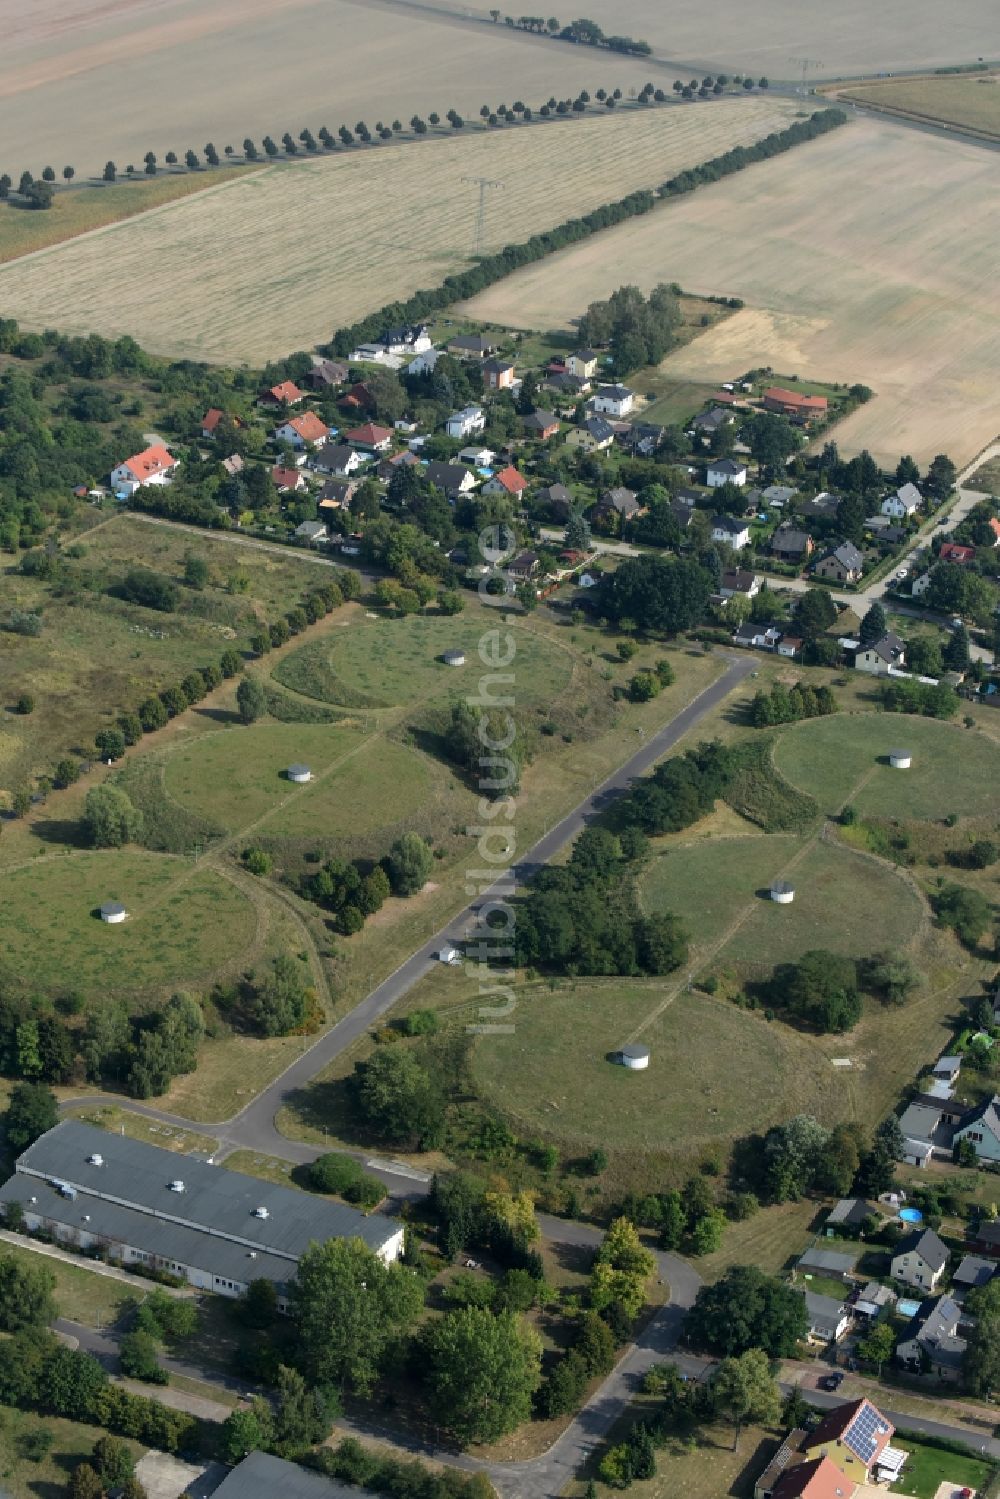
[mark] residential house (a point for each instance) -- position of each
(855, 1436)
(453, 478)
(153, 465)
(233, 465)
(881, 655)
(424, 363)
(471, 346)
(822, 506)
(370, 436)
(792, 404)
(213, 416)
(478, 457)
(790, 645)
(414, 339)
(303, 431)
(731, 529)
(778, 495)
(376, 353)
(593, 435)
(566, 384)
(498, 374)
(985, 1237)
(612, 400)
(325, 373)
(904, 503)
(583, 364)
(288, 480)
(709, 422)
(828, 1318)
(466, 423)
(541, 425)
(826, 1262)
(947, 1069)
(791, 544)
(757, 636)
(981, 1127)
(618, 501)
(850, 1213)
(558, 500)
(725, 471)
(994, 526)
(336, 494)
(508, 481)
(522, 567)
(874, 1300)
(286, 393)
(643, 439)
(817, 1478)
(954, 551)
(336, 458)
(932, 1342)
(844, 564)
(358, 398)
(312, 531)
(746, 584)
(973, 1272)
(920, 1259)
(689, 497)
(146, 1206)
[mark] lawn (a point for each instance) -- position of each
(552, 1074)
(929, 1467)
(702, 1466)
(81, 1294)
(71, 1443)
(380, 663)
(971, 103)
(185, 924)
(951, 772)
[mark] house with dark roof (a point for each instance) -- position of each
(618, 501)
(471, 346)
(642, 439)
(850, 1213)
(324, 373)
(828, 1318)
(973, 1272)
(981, 1127)
(887, 652)
(933, 1340)
(498, 374)
(733, 530)
(336, 458)
(826, 1262)
(583, 364)
(558, 499)
(710, 421)
(541, 425)
(854, 1436)
(721, 471)
(261, 1476)
(777, 495)
(822, 506)
(739, 581)
(612, 400)
(594, 434)
(790, 543)
(920, 1259)
(844, 564)
(336, 494)
(905, 503)
(453, 478)
(985, 1237)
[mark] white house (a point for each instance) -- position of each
(726, 471)
(920, 1260)
(904, 503)
(613, 400)
(583, 364)
(424, 363)
(152, 466)
(731, 529)
(303, 431)
(413, 339)
(880, 655)
(376, 354)
(466, 423)
(478, 457)
(828, 1318)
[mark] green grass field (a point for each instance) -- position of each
(82, 1294)
(716, 1070)
(24, 1477)
(928, 1467)
(386, 663)
(714, 884)
(953, 770)
(184, 924)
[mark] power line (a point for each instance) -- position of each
(484, 184)
(808, 65)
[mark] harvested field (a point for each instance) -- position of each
(888, 286)
(235, 274)
(970, 103)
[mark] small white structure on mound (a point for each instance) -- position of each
(782, 892)
(636, 1058)
(299, 774)
(900, 759)
(453, 658)
(113, 911)
(449, 954)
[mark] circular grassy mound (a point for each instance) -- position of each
(715, 1070)
(387, 663)
(843, 758)
(183, 927)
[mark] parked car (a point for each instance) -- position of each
(832, 1381)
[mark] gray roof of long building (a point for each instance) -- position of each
(828, 1259)
(214, 1200)
(261, 1476)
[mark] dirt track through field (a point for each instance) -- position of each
(868, 255)
(276, 261)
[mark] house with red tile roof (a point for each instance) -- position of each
(994, 525)
(371, 436)
(818, 1479)
(792, 403)
(152, 466)
(508, 481)
(288, 480)
(302, 431)
(953, 551)
(213, 416)
(285, 394)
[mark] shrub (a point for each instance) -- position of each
(257, 860)
(25, 704)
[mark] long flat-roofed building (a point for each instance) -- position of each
(145, 1206)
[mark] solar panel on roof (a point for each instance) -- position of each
(863, 1433)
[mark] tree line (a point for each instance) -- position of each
(820, 122)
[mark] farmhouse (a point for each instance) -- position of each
(732, 530)
(508, 481)
(886, 652)
(217, 1229)
(790, 403)
(920, 1260)
(471, 346)
(498, 374)
(285, 394)
(726, 471)
(152, 466)
(452, 478)
(828, 1318)
(844, 564)
(338, 459)
(595, 434)
(303, 430)
(541, 425)
(791, 544)
(932, 1341)
(371, 437)
(854, 1436)
(904, 503)
(287, 480)
(583, 364)
(981, 1128)
(466, 423)
(612, 400)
